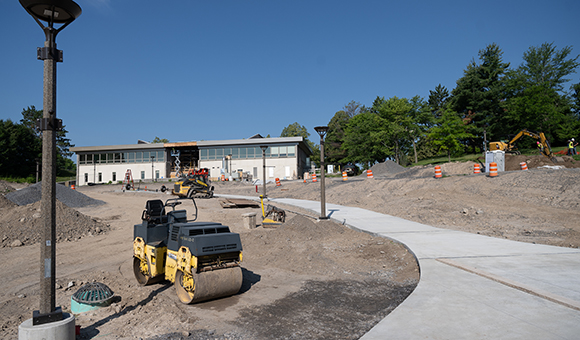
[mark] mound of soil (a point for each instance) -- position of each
(512, 162)
(21, 222)
(23, 225)
(33, 193)
(387, 168)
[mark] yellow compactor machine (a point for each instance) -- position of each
(202, 259)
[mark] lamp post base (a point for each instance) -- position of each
(57, 330)
(39, 319)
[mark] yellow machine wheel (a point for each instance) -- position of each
(185, 287)
(141, 271)
(208, 285)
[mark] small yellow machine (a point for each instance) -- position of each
(510, 147)
(195, 183)
(202, 259)
(273, 216)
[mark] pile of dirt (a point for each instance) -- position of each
(319, 248)
(33, 193)
(387, 168)
(21, 222)
(512, 162)
(541, 205)
(23, 225)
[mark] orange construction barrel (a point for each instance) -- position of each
(492, 169)
(438, 171)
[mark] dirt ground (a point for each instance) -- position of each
(307, 279)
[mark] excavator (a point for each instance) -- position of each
(510, 147)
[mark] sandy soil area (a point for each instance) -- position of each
(306, 279)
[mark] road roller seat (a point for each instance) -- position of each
(154, 212)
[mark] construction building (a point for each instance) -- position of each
(236, 159)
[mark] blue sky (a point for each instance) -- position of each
(191, 70)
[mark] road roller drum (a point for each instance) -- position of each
(202, 259)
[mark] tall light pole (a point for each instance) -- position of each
(322, 130)
(52, 12)
(152, 169)
(264, 148)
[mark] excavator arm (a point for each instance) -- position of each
(544, 145)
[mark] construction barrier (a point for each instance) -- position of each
(72, 186)
(492, 169)
(369, 173)
(278, 182)
(344, 176)
(438, 171)
(314, 177)
(524, 166)
(476, 169)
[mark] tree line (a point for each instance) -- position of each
(21, 147)
(491, 101)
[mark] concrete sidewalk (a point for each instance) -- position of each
(473, 286)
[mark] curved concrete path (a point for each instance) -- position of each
(473, 286)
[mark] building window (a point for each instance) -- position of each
(142, 174)
(86, 177)
(100, 177)
(156, 174)
(114, 175)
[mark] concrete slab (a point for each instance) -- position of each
(450, 303)
(473, 286)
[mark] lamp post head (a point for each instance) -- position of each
(264, 147)
(56, 11)
(322, 130)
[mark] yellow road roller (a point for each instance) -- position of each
(202, 259)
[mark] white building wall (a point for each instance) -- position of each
(107, 170)
(283, 168)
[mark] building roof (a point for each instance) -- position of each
(105, 148)
(255, 140)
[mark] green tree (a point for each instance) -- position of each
(297, 130)
(19, 149)
(160, 140)
(535, 96)
(364, 140)
(479, 94)
(449, 133)
(63, 144)
(64, 166)
(421, 121)
(335, 138)
(438, 99)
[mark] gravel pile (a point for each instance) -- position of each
(387, 168)
(69, 197)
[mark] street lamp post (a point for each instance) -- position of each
(322, 130)
(152, 169)
(264, 148)
(52, 12)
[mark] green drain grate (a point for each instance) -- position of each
(91, 296)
